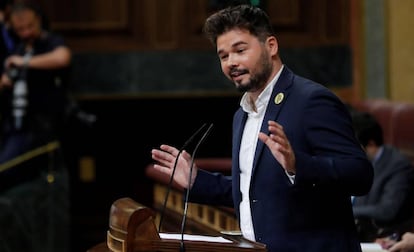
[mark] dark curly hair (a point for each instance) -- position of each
(245, 17)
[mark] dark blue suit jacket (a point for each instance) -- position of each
(314, 213)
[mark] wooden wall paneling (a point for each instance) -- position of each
(297, 23)
(353, 32)
(100, 25)
(341, 20)
(164, 22)
(337, 21)
(294, 21)
(313, 24)
(284, 12)
(304, 29)
(356, 43)
(88, 15)
(193, 16)
(306, 23)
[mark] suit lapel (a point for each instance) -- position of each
(238, 126)
(278, 98)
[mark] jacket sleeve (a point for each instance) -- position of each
(329, 155)
(212, 189)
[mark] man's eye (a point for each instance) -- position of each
(223, 57)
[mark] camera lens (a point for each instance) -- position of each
(13, 73)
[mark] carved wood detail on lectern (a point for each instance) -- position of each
(129, 221)
(132, 229)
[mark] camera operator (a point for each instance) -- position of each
(32, 107)
(33, 84)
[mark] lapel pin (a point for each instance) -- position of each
(279, 98)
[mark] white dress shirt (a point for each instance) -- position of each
(247, 151)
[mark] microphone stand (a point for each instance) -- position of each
(189, 140)
(182, 247)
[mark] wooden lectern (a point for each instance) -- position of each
(132, 229)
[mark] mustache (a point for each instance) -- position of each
(236, 71)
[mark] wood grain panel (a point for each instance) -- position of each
(337, 20)
(87, 15)
(313, 33)
(284, 12)
(194, 13)
(177, 24)
(305, 23)
(102, 26)
(165, 23)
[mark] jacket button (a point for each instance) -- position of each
(255, 201)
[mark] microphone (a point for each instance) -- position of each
(182, 247)
(185, 145)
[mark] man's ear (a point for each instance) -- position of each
(272, 45)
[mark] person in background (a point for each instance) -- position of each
(295, 158)
(8, 38)
(33, 84)
(387, 209)
(34, 194)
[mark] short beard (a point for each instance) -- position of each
(258, 80)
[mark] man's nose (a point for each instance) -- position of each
(232, 61)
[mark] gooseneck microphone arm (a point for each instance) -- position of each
(185, 145)
(182, 247)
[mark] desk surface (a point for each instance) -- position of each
(372, 247)
(366, 247)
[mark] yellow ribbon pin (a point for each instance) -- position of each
(279, 98)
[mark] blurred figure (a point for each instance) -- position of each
(33, 84)
(34, 199)
(387, 209)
